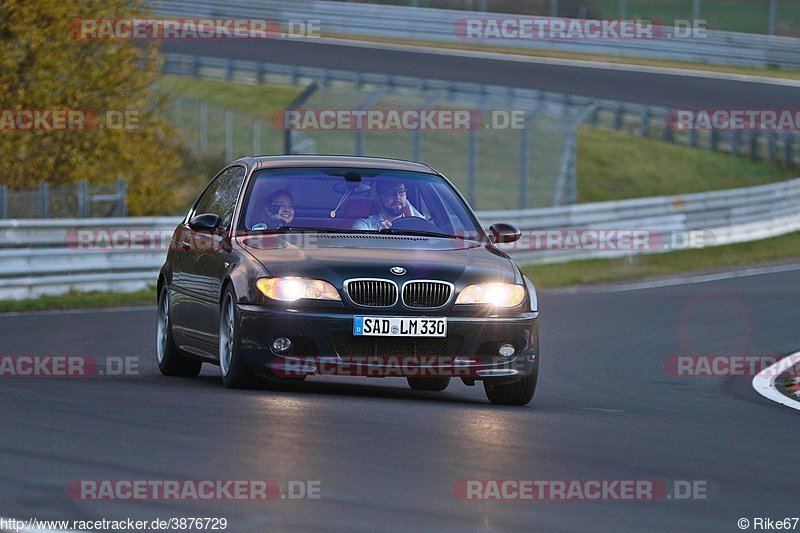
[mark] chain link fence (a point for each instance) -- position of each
(518, 151)
(82, 200)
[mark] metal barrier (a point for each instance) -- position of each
(51, 256)
(439, 25)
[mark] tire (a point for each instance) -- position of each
(518, 393)
(429, 384)
(171, 362)
(235, 375)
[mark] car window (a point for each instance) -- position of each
(355, 199)
(220, 197)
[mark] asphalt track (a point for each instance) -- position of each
(387, 458)
(675, 91)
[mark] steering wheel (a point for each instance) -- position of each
(414, 224)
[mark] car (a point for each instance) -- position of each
(291, 266)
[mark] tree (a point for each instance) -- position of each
(44, 66)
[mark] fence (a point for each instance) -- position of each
(439, 25)
(649, 121)
(533, 161)
(82, 200)
(39, 257)
(542, 159)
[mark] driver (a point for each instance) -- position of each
(394, 202)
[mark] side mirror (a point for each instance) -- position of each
(205, 222)
(502, 233)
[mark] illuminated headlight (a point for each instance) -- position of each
(292, 289)
(496, 294)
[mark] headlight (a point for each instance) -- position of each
(291, 289)
(497, 294)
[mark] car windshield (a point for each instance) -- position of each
(356, 200)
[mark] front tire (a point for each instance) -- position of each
(518, 393)
(235, 374)
(171, 362)
(429, 384)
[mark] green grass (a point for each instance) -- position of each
(717, 258)
(82, 300)
(247, 102)
(256, 100)
(614, 166)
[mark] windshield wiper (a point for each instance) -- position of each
(290, 229)
(423, 233)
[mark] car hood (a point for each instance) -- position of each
(336, 257)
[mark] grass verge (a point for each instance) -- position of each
(256, 100)
(82, 300)
(616, 166)
(776, 249)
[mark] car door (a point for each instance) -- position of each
(206, 259)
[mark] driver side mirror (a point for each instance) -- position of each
(207, 222)
(502, 233)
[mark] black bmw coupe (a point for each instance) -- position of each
(290, 266)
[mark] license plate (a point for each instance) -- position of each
(399, 327)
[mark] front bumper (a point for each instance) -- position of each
(323, 343)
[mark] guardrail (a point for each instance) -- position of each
(48, 257)
(438, 25)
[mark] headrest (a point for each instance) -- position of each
(359, 208)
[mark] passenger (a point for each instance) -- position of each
(279, 211)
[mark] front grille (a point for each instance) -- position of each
(372, 292)
(426, 294)
(351, 346)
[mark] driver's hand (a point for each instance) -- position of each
(385, 224)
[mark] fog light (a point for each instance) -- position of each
(507, 350)
(281, 345)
